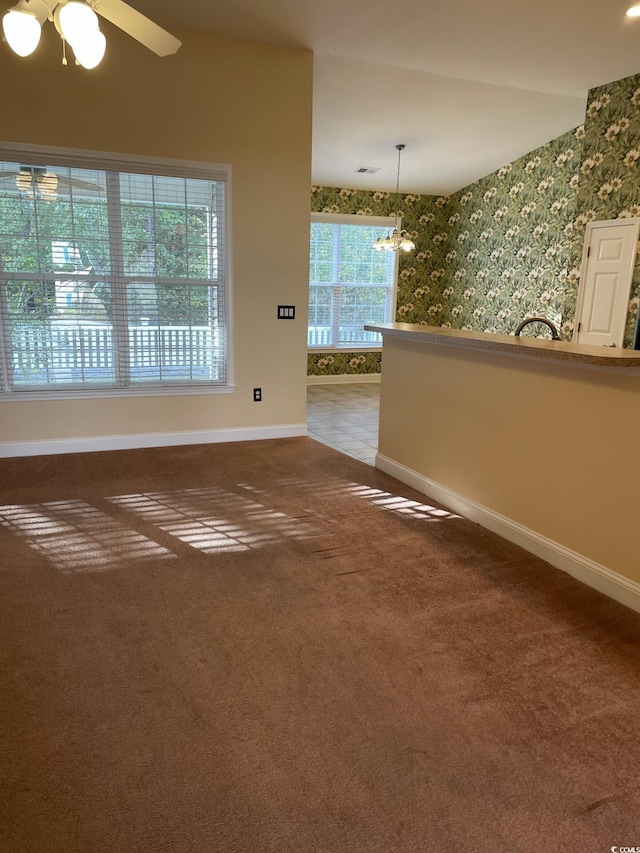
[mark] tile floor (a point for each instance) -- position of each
(345, 417)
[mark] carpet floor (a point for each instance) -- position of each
(269, 646)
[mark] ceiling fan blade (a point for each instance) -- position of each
(76, 184)
(138, 26)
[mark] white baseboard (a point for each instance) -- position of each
(340, 378)
(155, 439)
(593, 574)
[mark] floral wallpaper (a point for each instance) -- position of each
(340, 362)
(510, 242)
(609, 186)
(510, 245)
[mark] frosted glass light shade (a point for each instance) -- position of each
(48, 183)
(90, 49)
(22, 31)
(24, 181)
(77, 22)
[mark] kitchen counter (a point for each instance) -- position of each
(535, 439)
(524, 347)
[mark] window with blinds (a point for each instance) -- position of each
(350, 283)
(111, 279)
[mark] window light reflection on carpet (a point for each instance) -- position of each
(336, 488)
(214, 520)
(77, 537)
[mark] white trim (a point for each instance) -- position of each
(368, 346)
(353, 219)
(592, 574)
(344, 378)
(156, 439)
(26, 396)
(229, 324)
(86, 158)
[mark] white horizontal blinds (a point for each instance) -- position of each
(53, 281)
(113, 280)
(350, 284)
(172, 269)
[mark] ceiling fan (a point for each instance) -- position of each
(39, 182)
(77, 24)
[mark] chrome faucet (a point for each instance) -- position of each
(554, 332)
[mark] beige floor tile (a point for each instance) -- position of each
(345, 417)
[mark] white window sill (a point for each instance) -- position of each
(92, 394)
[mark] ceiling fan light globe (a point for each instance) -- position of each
(48, 183)
(77, 22)
(90, 51)
(22, 31)
(23, 181)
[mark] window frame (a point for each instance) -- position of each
(386, 223)
(142, 165)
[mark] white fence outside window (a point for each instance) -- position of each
(62, 353)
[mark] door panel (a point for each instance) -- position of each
(603, 304)
(603, 300)
(610, 249)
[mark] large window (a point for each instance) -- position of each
(350, 283)
(111, 279)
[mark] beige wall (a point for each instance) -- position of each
(546, 445)
(216, 100)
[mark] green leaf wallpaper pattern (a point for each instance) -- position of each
(609, 185)
(510, 245)
(340, 363)
(513, 239)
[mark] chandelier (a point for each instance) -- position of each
(396, 240)
(76, 23)
(35, 181)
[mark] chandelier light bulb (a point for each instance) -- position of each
(78, 22)
(22, 31)
(90, 50)
(633, 12)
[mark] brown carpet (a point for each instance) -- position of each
(270, 646)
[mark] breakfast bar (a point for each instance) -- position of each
(534, 439)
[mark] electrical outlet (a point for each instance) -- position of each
(257, 395)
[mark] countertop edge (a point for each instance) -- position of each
(627, 361)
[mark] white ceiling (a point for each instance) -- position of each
(466, 85)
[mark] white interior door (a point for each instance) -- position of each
(607, 272)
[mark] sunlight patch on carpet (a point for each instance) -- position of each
(77, 537)
(213, 520)
(337, 489)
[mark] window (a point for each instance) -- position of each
(112, 279)
(350, 283)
